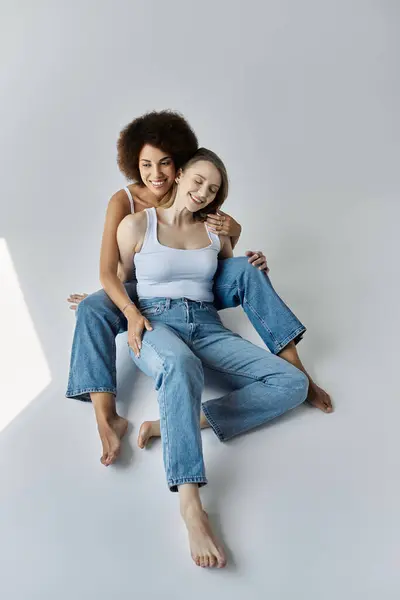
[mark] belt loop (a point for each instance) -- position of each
(167, 303)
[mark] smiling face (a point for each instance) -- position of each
(157, 170)
(198, 185)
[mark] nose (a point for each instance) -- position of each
(203, 190)
(156, 171)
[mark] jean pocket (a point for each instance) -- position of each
(152, 309)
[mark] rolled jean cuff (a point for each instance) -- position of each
(84, 394)
(296, 336)
(174, 483)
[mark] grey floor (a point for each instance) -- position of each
(301, 100)
(307, 506)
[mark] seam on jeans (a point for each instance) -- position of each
(213, 424)
(71, 393)
(162, 407)
(260, 318)
(276, 414)
(183, 480)
(289, 339)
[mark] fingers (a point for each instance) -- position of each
(148, 325)
(218, 229)
(216, 224)
(253, 256)
(76, 298)
(135, 345)
(215, 219)
(257, 259)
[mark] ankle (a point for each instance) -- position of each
(191, 507)
(106, 417)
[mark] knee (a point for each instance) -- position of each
(96, 304)
(187, 362)
(248, 272)
(185, 365)
(298, 385)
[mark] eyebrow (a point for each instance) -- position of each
(161, 159)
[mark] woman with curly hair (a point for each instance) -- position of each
(151, 149)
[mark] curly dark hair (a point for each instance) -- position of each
(167, 130)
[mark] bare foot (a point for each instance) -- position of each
(204, 548)
(148, 430)
(319, 398)
(75, 299)
(111, 433)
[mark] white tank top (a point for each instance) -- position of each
(173, 272)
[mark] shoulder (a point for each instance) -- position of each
(119, 204)
(133, 224)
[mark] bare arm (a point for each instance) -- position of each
(118, 208)
(130, 235)
(226, 247)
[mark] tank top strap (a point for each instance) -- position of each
(150, 242)
(216, 242)
(130, 198)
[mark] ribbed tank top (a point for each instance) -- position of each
(173, 272)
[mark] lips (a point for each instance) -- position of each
(196, 200)
(158, 183)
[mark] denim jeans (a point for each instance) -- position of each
(186, 336)
(99, 321)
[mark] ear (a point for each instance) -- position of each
(179, 174)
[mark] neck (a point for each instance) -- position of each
(178, 214)
(148, 197)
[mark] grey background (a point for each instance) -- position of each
(301, 101)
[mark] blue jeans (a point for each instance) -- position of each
(99, 321)
(186, 336)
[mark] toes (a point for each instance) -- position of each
(203, 561)
(221, 560)
(112, 457)
(144, 435)
(212, 561)
(196, 560)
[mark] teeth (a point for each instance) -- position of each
(197, 201)
(158, 183)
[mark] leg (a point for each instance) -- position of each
(92, 366)
(92, 370)
(238, 282)
(110, 425)
(265, 386)
(179, 379)
(205, 549)
(316, 396)
(150, 429)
